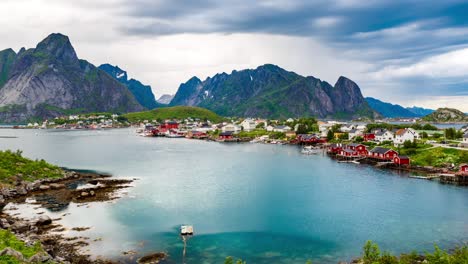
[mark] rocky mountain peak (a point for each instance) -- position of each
(59, 46)
(114, 71)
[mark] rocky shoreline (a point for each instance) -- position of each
(55, 195)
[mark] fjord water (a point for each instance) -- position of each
(263, 203)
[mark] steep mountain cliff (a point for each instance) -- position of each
(270, 91)
(50, 80)
(142, 93)
(389, 110)
(165, 99)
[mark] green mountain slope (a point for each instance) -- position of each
(176, 112)
(444, 115)
(270, 91)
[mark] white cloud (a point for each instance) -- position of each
(447, 65)
(329, 21)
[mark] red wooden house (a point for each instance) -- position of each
(359, 148)
(369, 137)
(464, 168)
(335, 148)
(197, 135)
(310, 139)
(349, 153)
(169, 125)
(382, 153)
(226, 136)
(401, 160)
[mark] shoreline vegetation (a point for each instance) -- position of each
(41, 239)
(371, 254)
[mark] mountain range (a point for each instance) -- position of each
(50, 80)
(270, 91)
(143, 93)
(394, 110)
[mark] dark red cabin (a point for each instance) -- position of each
(464, 168)
(369, 137)
(226, 136)
(401, 160)
(382, 153)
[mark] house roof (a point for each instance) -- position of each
(380, 133)
(353, 131)
(380, 150)
(403, 157)
(465, 136)
(400, 132)
(227, 133)
(282, 127)
(354, 144)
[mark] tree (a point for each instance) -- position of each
(371, 252)
(424, 135)
(260, 125)
(407, 144)
(330, 135)
(359, 139)
(302, 129)
(450, 133)
(344, 136)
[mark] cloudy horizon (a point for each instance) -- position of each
(403, 52)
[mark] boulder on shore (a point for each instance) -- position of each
(20, 226)
(43, 220)
(11, 252)
(153, 258)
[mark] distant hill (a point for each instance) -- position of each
(389, 110)
(50, 80)
(143, 93)
(444, 115)
(272, 92)
(419, 111)
(176, 112)
(165, 99)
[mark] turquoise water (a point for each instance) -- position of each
(263, 203)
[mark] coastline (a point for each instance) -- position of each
(79, 187)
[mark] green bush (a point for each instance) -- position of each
(13, 164)
(7, 239)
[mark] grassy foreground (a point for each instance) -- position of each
(439, 157)
(371, 254)
(8, 239)
(13, 165)
(176, 112)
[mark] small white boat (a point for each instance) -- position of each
(186, 230)
(310, 150)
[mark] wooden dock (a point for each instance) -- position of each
(458, 179)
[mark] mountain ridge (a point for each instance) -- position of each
(143, 93)
(270, 91)
(51, 80)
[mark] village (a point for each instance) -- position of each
(395, 146)
(373, 144)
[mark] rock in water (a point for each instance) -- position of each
(152, 258)
(43, 220)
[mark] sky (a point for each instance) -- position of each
(412, 52)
